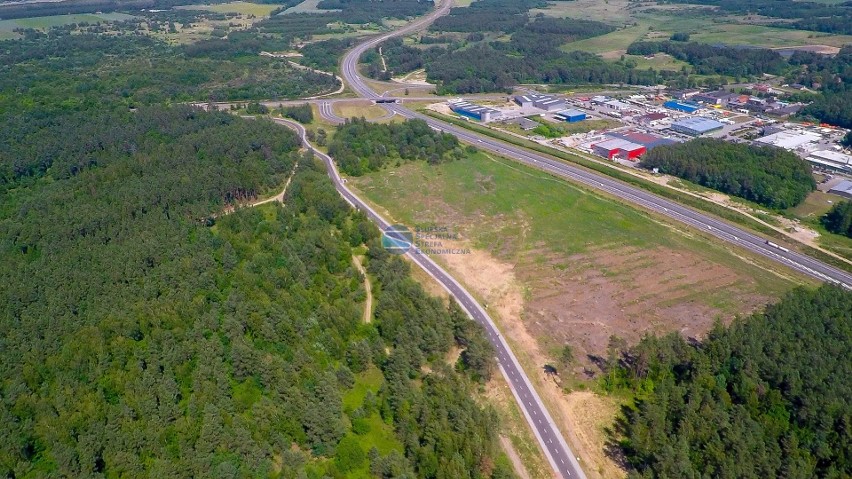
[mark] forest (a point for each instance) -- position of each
(839, 218)
(144, 333)
(359, 147)
(717, 59)
(72, 72)
(766, 175)
(767, 396)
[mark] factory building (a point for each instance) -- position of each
(471, 110)
(790, 139)
(696, 126)
(831, 160)
(571, 115)
(652, 120)
(683, 106)
(618, 148)
(538, 100)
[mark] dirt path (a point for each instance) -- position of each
(517, 463)
(280, 196)
(368, 287)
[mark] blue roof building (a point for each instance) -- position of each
(683, 106)
(471, 110)
(571, 115)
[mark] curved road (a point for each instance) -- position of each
(557, 451)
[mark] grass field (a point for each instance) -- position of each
(7, 27)
(358, 110)
(661, 61)
(308, 6)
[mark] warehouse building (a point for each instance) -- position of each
(696, 126)
(618, 148)
(831, 160)
(790, 139)
(652, 120)
(471, 110)
(541, 101)
(571, 115)
(683, 106)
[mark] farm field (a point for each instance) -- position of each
(308, 6)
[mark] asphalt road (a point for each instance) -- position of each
(557, 451)
(718, 228)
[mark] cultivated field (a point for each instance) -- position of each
(7, 27)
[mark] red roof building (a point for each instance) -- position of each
(617, 147)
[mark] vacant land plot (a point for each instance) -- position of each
(588, 267)
(364, 109)
(242, 8)
(660, 61)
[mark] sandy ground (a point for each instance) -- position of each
(368, 289)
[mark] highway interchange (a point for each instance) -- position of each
(556, 449)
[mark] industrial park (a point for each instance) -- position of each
(641, 122)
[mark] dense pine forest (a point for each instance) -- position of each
(766, 397)
(766, 175)
(359, 147)
(143, 333)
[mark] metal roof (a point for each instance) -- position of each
(618, 144)
(699, 124)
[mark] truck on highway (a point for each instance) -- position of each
(777, 246)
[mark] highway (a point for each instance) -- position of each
(556, 449)
(637, 196)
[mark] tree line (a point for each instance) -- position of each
(839, 218)
(767, 175)
(765, 397)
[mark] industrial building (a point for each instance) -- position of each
(525, 123)
(471, 110)
(696, 126)
(844, 189)
(617, 147)
(831, 160)
(538, 100)
(683, 106)
(790, 139)
(571, 115)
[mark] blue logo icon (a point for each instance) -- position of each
(397, 239)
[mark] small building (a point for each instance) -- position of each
(696, 126)
(617, 105)
(617, 147)
(844, 189)
(474, 111)
(525, 123)
(571, 115)
(790, 139)
(831, 160)
(684, 94)
(684, 106)
(599, 100)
